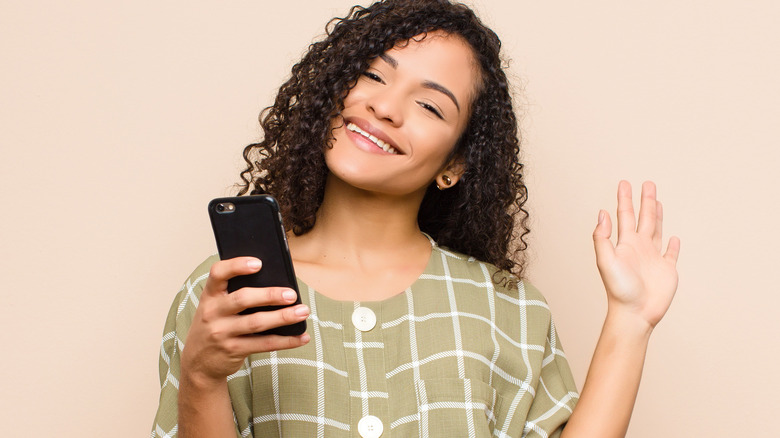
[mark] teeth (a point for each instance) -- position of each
(384, 146)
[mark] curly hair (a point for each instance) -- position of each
(483, 215)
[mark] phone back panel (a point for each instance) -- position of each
(254, 228)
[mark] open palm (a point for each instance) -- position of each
(638, 276)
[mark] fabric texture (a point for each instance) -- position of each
(465, 351)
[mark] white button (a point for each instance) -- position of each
(370, 427)
(364, 319)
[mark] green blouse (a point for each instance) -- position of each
(465, 351)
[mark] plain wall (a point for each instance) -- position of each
(121, 120)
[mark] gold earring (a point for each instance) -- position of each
(447, 182)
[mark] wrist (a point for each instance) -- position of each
(204, 407)
(200, 383)
(627, 324)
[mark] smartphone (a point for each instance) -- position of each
(252, 226)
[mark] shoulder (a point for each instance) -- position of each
(186, 300)
(202, 270)
(505, 285)
(461, 265)
(515, 306)
(197, 279)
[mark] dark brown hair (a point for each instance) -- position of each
(481, 216)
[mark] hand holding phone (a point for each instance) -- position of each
(219, 338)
(252, 226)
(222, 333)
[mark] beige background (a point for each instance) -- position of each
(120, 120)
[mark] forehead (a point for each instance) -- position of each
(440, 57)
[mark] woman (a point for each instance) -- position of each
(393, 150)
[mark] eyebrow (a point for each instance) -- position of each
(427, 84)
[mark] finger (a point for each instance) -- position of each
(659, 226)
(247, 297)
(224, 270)
(247, 345)
(647, 210)
(266, 320)
(625, 211)
(601, 235)
(673, 249)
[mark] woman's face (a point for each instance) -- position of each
(404, 115)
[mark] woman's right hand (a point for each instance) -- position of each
(220, 339)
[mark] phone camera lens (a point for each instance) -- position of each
(220, 208)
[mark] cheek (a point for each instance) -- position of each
(339, 137)
(435, 143)
(354, 95)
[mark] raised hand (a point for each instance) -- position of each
(639, 276)
(641, 280)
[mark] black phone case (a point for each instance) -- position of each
(254, 228)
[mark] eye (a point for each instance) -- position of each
(373, 76)
(431, 108)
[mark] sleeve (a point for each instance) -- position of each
(177, 324)
(555, 393)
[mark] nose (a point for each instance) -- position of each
(387, 104)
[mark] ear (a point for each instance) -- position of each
(451, 173)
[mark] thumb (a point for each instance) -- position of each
(601, 235)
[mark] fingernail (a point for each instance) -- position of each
(305, 338)
(601, 216)
(301, 310)
(254, 263)
(289, 295)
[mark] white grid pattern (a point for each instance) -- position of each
(526, 362)
(493, 328)
(446, 315)
(320, 369)
(302, 417)
(514, 363)
(275, 384)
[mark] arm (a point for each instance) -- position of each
(640, 282)
(219, 340)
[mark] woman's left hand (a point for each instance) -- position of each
(640, 279)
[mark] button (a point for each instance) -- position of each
(364, 319)
(370, 426)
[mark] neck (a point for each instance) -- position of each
(353, 224)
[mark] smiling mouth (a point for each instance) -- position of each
(377, 141)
